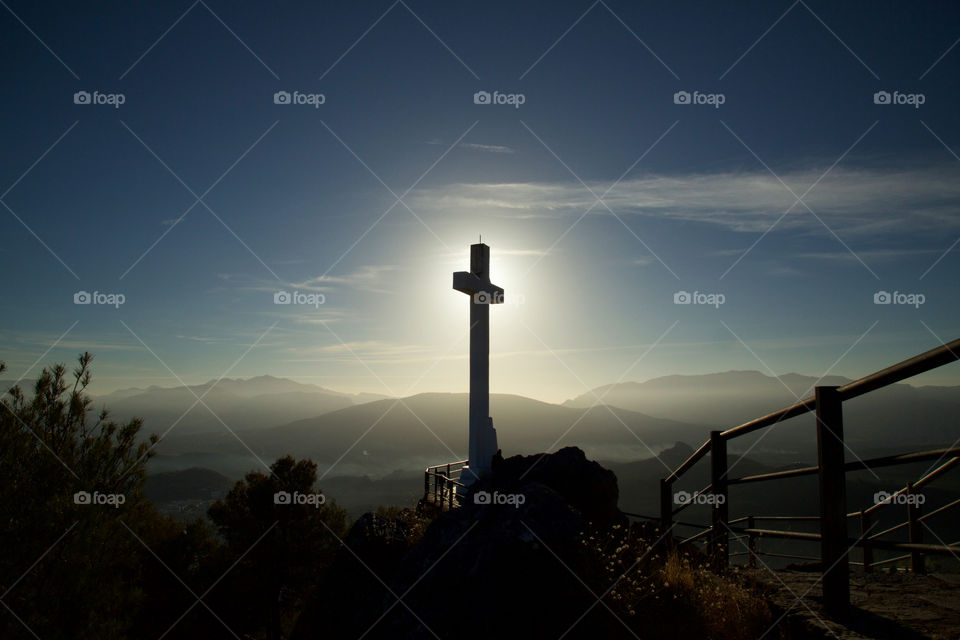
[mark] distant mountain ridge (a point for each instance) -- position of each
(430, 428)
(241, 404)
(244, 387)
(730, 398)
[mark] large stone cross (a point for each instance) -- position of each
(476, 284)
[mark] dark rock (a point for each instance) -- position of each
(512, 562)
(584, 484)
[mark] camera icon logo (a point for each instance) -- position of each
(281, 97)
(481, 497)
(682, 297)
(882, 297)
(82, 297)
(881, 97)
(81, 97)
(281, 497)
(481, 97)
(81, 497)
(681, 97)
(282, 297)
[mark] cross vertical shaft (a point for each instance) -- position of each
(476, 283)
(479, 346)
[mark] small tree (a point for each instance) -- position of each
(285, 534)
(57, 464)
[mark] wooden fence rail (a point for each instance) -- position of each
(831, 469)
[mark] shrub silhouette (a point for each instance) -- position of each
(65, 562)
(283, 548)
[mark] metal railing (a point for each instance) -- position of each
(442, 486)
(835, 544)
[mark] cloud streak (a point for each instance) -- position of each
(860, 201)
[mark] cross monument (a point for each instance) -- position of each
(476, 284)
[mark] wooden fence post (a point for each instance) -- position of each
(867, 549)
(915, 529)
(718, 482)
(752, 544)
(834, 545)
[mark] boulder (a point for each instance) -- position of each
(513, 561)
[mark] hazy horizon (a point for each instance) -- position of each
(934, 378)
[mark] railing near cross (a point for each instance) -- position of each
(835, 543)
(442, 486)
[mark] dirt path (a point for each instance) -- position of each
(884, 605)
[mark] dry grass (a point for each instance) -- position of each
(670, 593)
(413, 523)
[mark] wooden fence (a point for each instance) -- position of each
(831, 469)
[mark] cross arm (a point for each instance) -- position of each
(469, 283)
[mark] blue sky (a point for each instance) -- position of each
(199, 197)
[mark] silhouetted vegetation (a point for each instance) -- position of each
(283, 548)
(84, 554)
(667, 592)
(68, 562)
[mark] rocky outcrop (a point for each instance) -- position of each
(512, 562)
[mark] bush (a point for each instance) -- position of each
(72, 485)
(663, 592)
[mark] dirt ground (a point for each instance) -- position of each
(883, 605)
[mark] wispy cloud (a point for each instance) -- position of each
(868, 201)
(371, 278)
(487, 148)
(368, 351)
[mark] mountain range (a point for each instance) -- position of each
(253, 403)
(246, 423)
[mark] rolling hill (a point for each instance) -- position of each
(387, 435)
